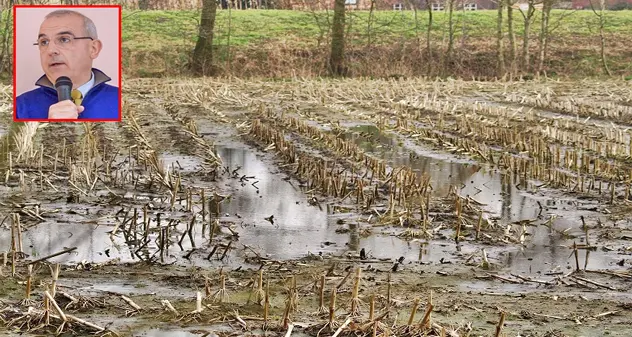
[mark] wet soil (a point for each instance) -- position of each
(259, 213)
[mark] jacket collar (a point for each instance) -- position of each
(99, 77)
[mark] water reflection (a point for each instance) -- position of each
(175, 333)
(259, 191)
(499, 193)
(297, 226)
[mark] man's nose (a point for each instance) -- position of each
(52, 49)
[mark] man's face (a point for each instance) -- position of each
(74, 59)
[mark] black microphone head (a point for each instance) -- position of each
(63, 80)
(64, 88)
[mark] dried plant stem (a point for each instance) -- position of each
(86, 323)
(344, 279)
(344, 325)
(54, 271)
(18, 232)
(57, 308)
(203, 196)
(68, 296)
(332, 307)
(586, 229)
(46, 309)
(425, 322)
(321, 302)
(167, 304)
(29, 280)
(260, 293)
(355, 301)
(221, 295)
(501, 323)
(480, 222)
(286, 312)
(131, 303)
(292, 294)
(198, 303)
(575, 252)
(388, 293)
(374, 330)
(290, 327)
(411, 319)
(207, 287)
(266, 304)
(13, 249)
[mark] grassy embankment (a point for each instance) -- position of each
(279, 43)
(283, 43)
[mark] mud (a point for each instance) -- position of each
(268, 217)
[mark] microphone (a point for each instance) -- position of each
(64, 87)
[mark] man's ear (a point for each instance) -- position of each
(95, 48)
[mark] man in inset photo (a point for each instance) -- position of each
(71, 88)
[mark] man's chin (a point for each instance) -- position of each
(54, 74)
(57, 70)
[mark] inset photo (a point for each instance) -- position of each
(67, 63)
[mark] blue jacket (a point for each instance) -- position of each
(101, 101)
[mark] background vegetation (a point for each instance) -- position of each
(285, 43)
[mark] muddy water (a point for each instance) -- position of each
(204, 331)
(259, 190)
(505, 200)
(502, 198)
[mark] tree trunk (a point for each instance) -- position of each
(336, 58)
(602, 38)
(544, 35)
(450, 50)
(428, 36)
(500, 52)
(417, 26)
(203, 53)
(369, 28)
(6, 56)
(143, 4)
(512, 39)
(525, 36)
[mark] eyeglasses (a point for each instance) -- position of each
(63, 41)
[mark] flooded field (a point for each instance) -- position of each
(323, 207)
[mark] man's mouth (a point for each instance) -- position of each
(56, 64)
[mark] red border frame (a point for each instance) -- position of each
(120, 61)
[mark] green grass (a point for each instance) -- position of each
(158, 43)
(151, 29)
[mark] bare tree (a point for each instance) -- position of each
(602, 38)
(336, 58)
(369, 25)
(450, 50)
(6, 56)
(512, 38)
(203, 52)
(322, 20)
(500, 51)
(528, 19)
(428, 37)
(228, 35)
(547, 5)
